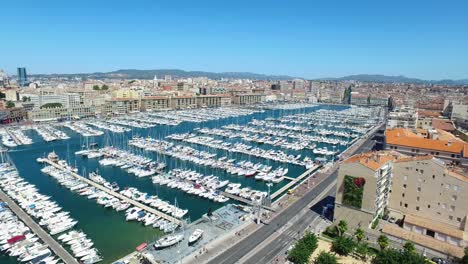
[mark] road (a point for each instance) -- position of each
(43, 235)
(265, 255)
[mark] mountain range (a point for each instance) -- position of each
(160, 73)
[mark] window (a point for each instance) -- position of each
(452, 208)
(417, 208)
(453, 155)
(458, 219)
(454, 197)
(419, 189)
(401, 204)
(402, 195)
(406, 205)
(422, 171)
(404, 185)
(429, 206)
(437, 153)
(430, 233)
(450, 217)
(433, 177)
(417, 198)
(417, 169)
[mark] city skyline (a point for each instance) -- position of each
(306, 40)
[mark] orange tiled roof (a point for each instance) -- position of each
(406, 138)
(427, 241)
(428, 113)
(436, 226)
(374, 160)
(442, 124)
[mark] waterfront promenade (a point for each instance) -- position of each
(115, 194)
(41, 233)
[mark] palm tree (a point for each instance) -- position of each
(359, 234)
(342, 227)
(383, 242)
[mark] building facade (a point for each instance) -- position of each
(425, 196)
(22, 77)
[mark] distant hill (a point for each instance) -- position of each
(395, 79)
(149, 74)
(176, 73)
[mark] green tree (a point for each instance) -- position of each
(409, 247)
(104, 87)
(325, 258)
(359, 234)
(303, 249)
(362, 250)
(393, 256)
(343, 246)
(342, 227)
(464, 260)
(96, 87)
(387, 256)
(383, 242)
(2, 95)
(24, 99)
(10, 104)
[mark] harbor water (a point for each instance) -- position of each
(112, 235)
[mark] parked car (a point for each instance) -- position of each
(440, 260)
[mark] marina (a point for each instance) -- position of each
(181, 160)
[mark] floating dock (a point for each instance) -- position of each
(113, 193)
(37, 229)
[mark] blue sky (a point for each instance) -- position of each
(424, 39)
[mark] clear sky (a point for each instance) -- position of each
(312, 38)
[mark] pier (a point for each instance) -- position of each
(15, 139)
(113, 193)
(37, 229)
(243, 200)
(294, 181)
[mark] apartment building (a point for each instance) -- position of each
(121, 106)
(154, 103)
(213, 100)
(60, 113)
(431, 199)
(426, 196)
(183, 102)
(449, 149)
(405, 117)
(247, 98)
(363, 186)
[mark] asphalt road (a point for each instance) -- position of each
(241, 249)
